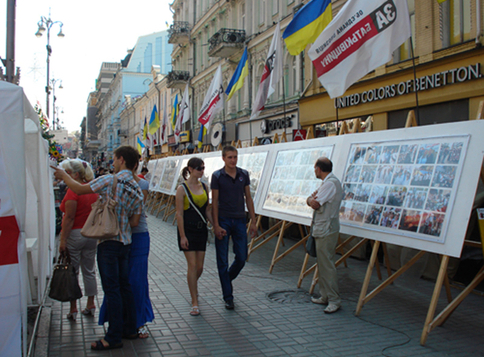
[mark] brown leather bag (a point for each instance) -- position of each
(102, 222)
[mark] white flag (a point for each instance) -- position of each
(184, 113)
(361, 37)
(271, 75)
(213, 102)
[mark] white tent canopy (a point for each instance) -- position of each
(27, 218)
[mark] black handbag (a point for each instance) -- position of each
(311, 246)
(64, 285)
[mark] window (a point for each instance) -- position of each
(455, 21)
(242, 16)
(275, 7)
(404, 52)
(262, 8)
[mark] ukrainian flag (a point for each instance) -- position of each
(154, 121)
(307, 25)
(140, 146)
(238, 78)
(201, 134)
(174, 113)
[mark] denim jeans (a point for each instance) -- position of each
(235, 227)
(113, 265)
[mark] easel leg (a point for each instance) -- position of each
(435, 297)
(366, 282)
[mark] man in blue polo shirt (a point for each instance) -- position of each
(230, 194)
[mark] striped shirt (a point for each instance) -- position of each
(128, 196)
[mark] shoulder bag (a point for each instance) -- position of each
(311, 243)
(64, 285)
(102, 222)
(189, 196)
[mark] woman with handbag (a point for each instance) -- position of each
(192, 211)
(138, 268)
(82, 251)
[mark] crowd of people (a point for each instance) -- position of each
(122, 261)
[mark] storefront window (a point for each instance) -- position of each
(333, 128)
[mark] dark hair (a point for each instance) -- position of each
(228, 148)
(129, 154)
(194, 162)
(144, 169)
(324, 164)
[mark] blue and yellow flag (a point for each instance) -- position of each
(145, 130)
(201, 134)
(154, 121)
(174, 113)
(238, 78)
(141, 146)
(307, 25)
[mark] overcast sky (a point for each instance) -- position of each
(95, 31)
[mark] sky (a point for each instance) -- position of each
(95, 31)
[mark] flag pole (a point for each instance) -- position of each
(284, 103)
(417, 116)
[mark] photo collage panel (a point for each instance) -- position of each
(254, 164)
(403, 187)
(158, 171)
(293, 180)
(168, 175)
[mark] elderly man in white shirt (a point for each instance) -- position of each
(325, 202)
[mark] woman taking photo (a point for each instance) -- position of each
(192, 211)
(76, 209)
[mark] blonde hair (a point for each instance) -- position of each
(79, 166)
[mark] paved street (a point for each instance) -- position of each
(273, 318)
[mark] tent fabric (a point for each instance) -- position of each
(26, 211)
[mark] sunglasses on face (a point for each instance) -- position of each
(200, 168)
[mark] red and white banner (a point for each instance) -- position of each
(271, 75)
(213, 102)
(361, 37)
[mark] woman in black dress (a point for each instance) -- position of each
(192, 224)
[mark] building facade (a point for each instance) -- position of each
(208, 33)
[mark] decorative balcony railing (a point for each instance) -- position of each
(177, 79)
(179, 33)
(226, 42)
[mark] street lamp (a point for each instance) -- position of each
(46, 24)
(53, 83)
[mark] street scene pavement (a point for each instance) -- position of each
(271, 316)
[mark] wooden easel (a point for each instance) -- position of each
(442, 278)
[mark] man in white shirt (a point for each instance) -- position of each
(325, 202)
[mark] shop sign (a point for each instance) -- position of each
(299, 134)
(436, 80)
(185, 136)
(171, 140)
(266, 126)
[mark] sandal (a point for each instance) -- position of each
(99, 346)
(195, 311)
(89, 311)
(143, 332)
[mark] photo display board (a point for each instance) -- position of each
(406, 186)
(151, 168)
(290, 179)
(414, 187)
(156, 176)
(170, 175)
(254, 163)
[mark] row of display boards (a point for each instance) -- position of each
(413, 187)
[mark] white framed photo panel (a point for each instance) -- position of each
(412, 187)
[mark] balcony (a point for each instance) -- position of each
(226, 42)
(179, 33)
(177, 79)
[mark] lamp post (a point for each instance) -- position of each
(53, 83)
(46, 24)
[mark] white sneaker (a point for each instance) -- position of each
(319, 301)
(332, 308)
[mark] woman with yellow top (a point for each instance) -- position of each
(192, 211)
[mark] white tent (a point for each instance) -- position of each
(27, 218)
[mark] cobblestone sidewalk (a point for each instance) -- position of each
(272, 317)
